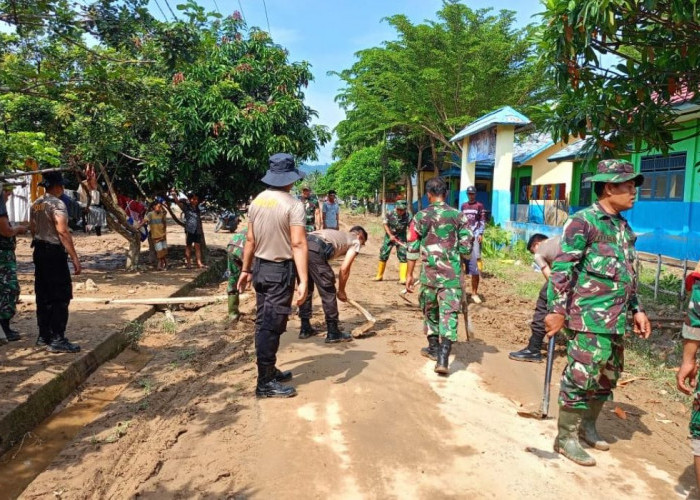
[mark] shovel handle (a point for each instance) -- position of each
(548, 377)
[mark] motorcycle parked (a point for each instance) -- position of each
(227, 220)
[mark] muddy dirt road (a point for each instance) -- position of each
(371, 419)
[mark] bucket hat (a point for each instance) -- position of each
(282, 171)
(616, 171)
(401, 204)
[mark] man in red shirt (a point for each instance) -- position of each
(476, 218)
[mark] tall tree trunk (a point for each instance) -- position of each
(434, 153)
(116, 217)
(409, 193)
(419, 183)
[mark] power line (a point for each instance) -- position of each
(165, 18)
(240, 6)
(267, 18)
(217, 7)
(171, 10)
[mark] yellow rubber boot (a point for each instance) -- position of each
(380, 271)
(403, 271)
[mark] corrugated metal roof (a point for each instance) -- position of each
(503, 116)
(530, 147)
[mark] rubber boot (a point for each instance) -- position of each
(443, 357)
(566, 441)
(11, 334)
(334, 335)
(380, 271)
(233, 302)
(403, 271)
(588, 432)
(269, 387)
(431, 352)
(306, 329)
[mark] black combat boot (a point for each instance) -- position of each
(526, 354)
(12, 335)
(61, 344)
(334, 335)
(443, 356)
(269, 387)
(306, 329)
(431, 351)
(282, 376)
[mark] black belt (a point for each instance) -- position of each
(44, 244)
(324, 248)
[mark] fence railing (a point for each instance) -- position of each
(659, 262)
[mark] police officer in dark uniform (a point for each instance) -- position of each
(52, 281)
(275, 253)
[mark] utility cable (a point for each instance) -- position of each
(240, 6)
(171, 10)
(267, 18)
(165, 18)
(217, 7)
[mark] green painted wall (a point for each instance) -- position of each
(687, 141)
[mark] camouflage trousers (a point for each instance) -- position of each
(234, 272)
(385, 251)
(595, 362)
(441, 307)
(695, 415)
(9, 286)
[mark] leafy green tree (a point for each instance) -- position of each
(198, 103)
(619, 65)
(363, 173)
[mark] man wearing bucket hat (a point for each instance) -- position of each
(395, 227)
(52, 283)
(593, 284)
(275, 255)
(9, 286)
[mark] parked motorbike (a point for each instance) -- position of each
(227, 220)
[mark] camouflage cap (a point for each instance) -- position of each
(401, 204)
(616, 171)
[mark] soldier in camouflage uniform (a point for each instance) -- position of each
(234, 252)
(395, 226)
(311, 208)
(687, 377)
(593, 284)
(440, 236)
(9, 286)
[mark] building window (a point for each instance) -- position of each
(585, 197)
(664, 177)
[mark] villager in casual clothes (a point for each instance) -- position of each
(476, 218)
(9, 286)
(440, 237)
(275, 254)
(593, 284)
(395, 227)
(324, 246)
(545, 250)
(331, 212)
(52, 282)
(158, 232)
(194, 233)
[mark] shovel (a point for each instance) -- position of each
(544, 410)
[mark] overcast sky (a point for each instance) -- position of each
(327, 33)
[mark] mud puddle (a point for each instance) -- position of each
(26, 460)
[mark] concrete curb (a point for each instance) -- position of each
(44, 399)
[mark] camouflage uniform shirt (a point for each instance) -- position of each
(593, 281)
(310, 207)
(398, 224)
(440, 235)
